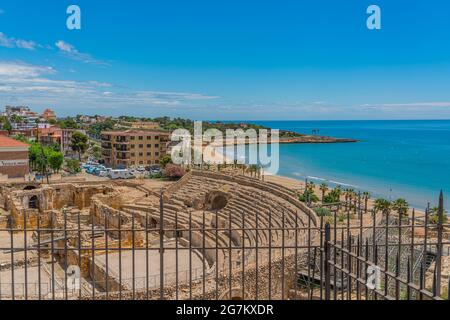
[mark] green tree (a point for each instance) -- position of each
(79, 143)
(383, 205)
(39, 158)
(7, 126)
(97, 152)
(366, 196)
(401, 206)
(308, 196)
(68, 123)
(16, 118)
(334, 196)
(324, 188)
(73, 166)
(56, 160)
(434, 216)
(164, 161)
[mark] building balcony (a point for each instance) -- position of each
(106, 145)
(122, 156)
(121, 148)
(106, 138)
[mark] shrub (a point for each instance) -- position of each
(434, 219)
(322, 212)
(73, 166)
(308, 194)
(166, 160)
(173, 171)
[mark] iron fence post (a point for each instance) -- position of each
(161, 246)
(326, 262)
(439, 244)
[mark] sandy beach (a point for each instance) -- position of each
(299, 185)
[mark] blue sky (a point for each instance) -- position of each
(229, 59)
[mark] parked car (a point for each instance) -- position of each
(90, 170)
(103, 173)
(121, 174)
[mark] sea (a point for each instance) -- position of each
(407, 159)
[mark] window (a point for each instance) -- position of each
(141, 162)
(149, 154)
(141, 138)
(141, 154)
(133, 154)
(156, 137)
(132, 138)
(149, 146)
(156, 145)
(133, 163)
(149, 162)
(132, 146)
(157, 154)
(149, 137)
(33, 203)
(141, 146)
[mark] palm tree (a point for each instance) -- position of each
(346, 194)
(338, 191)
(434, 217)
(383, 205)
(401, 206)
(366, 196)
(324, 188)
(310, 186)
(351, 193)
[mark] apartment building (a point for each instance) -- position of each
(13, 157)
(66, 141)
(133, 147)
(49, 114)
(48, 136)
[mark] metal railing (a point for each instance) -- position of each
(277, 254)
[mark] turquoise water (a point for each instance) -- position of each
(408, 159)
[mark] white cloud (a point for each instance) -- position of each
(9, 42)
(22, 70)
(409, 105)
(34, 85)
(71, 52)
(63, 46)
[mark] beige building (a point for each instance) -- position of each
(133, 147)
(142, 125)
(13, 157)
(49, 114)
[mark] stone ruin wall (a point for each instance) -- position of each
(105, 209)
(279, 269)
(53, 197)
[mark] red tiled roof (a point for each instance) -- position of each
(6, 142)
